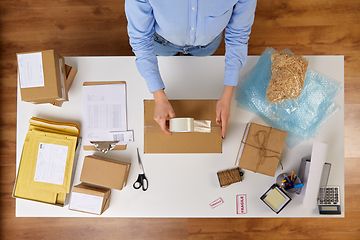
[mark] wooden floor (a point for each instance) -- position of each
(97, 28)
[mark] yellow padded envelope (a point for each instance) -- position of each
(46, 163)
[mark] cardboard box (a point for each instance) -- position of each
(156, 141)
(260, 149)
(105, 172)
(90, 199)
(44, 77)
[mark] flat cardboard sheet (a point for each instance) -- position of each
(156, 141)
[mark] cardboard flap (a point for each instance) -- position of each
(90, 190)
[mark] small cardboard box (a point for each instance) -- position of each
(260, 149)
(156, 141)
(44, 77)
(90, 199)
(105, 172)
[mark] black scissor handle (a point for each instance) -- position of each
(141, 182)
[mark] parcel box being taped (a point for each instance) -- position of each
(156, 141)
(90, 199)
(47, 162)
(260, 149)
(105, 172)
(44, 77)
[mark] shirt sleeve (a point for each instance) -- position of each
(236, 39)
(139, 14)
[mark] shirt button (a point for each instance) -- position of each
(192, 28)
(190, 42)
(193, 8)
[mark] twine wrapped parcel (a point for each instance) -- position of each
(260, 149)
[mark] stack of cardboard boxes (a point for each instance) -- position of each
(44, 77)
(98, 176)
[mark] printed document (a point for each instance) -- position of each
(50, 164)
(104, 112)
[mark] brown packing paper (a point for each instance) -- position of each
(156, 141)
(260, 149)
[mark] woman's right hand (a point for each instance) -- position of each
(163, 109)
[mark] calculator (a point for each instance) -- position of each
(329, 200)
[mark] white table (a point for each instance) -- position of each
(183, 185)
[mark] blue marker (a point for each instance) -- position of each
(287, 179)
(299, 185)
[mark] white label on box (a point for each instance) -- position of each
(31, 70)
(241, 207)
(51, 163)
(86, 203)
(122, 137)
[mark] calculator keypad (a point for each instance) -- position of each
(329, 196)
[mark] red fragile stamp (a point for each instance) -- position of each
(241, 206)
(216, 203)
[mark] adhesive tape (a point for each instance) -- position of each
(181, 125)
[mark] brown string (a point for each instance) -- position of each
(229, 177)
(262, 149)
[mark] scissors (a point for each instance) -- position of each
(141, 180)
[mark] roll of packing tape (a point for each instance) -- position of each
(181, 125)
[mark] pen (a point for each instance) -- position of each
(287, 179)
(299, 185)
(292, 175)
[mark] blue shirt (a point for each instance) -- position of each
(193, 23)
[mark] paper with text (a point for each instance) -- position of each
(86, 203)
(50, 164)
(104, 111)
(31, 70)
